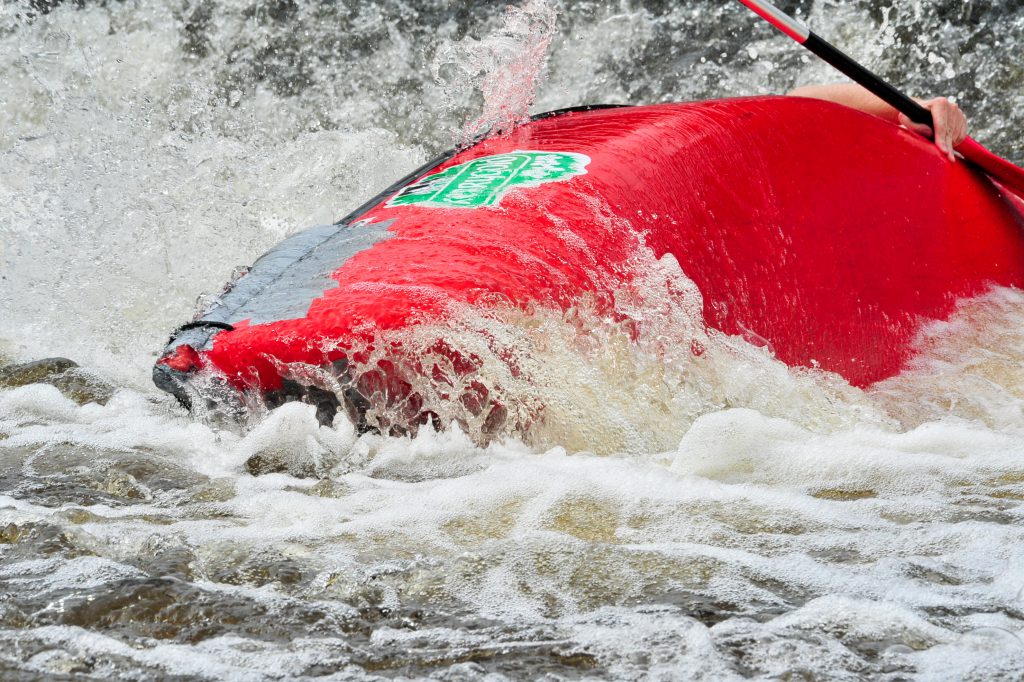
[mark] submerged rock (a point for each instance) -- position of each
(76, 383)
(35, 372)
(328, 488)
(277, 462)
(125, 486)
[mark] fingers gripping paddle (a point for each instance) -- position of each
(1008, 175)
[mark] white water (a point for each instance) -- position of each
(741, 519)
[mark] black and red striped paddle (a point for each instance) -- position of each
(1008, 175)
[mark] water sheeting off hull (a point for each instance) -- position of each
(824, 233)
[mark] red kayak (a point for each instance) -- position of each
(830, 234)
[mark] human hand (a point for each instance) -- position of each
(950, 124)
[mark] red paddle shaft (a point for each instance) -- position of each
(1005, 173)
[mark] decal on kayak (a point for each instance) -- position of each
(484, 181)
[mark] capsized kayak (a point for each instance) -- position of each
(826, 233)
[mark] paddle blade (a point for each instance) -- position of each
(1009, 176)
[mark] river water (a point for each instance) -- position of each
(742, 521)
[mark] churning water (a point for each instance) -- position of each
(732, 519)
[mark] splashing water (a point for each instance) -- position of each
(631, 380)
(506, 67)
(666, 514)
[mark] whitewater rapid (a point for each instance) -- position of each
(728, 520)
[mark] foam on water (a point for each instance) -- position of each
(876, 548)
(668, 513)
(971, 367)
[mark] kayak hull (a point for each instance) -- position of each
(826, 234)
